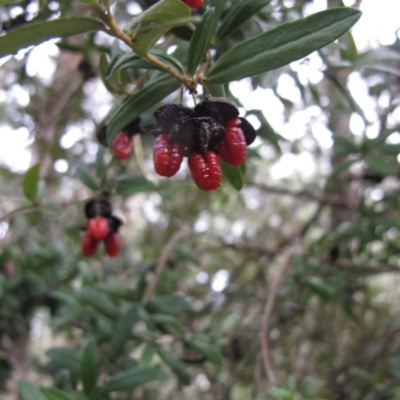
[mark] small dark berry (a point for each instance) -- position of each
(112, 244)
(232, 148)
(167, 156)
(88, 245)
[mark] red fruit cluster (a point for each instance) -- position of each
(193, 3)
(101, 225)
(212, 130)
(121, 145)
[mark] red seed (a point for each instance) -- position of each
(98, 227)
(193, 3)
(205, 170)
(122, 145)
(167, 156)
(88, 245)
(232, 148)
(112, 244)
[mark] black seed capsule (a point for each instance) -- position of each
(219, 108)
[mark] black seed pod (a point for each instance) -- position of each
(98, 207)
(199, 134)
(248, 130)
(219, 108)
(134, 127)
(169, 116)
(101, 135)
(115, 223)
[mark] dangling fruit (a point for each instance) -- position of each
(167, 156)
(122, 145)
(98, 227)
(232, 148)
(205, 170)
(112, 244)
(88, 245)
(193, 3)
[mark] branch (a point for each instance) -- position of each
(269, 304)
(161, 262)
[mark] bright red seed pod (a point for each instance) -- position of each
(232, 148)
(122, 145)
(205, 170)
(98, 227)
(167, 156)
(112, 244)
(88, 245)
(193, 3)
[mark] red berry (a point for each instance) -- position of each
(232, 148)
(88, 245)
(98, 227)
(193, 3)
(112, 244)
(167, 156)
(122, 145)
(206, 170)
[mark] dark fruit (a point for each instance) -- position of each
(97, 207)
(122, 145)
(219, 108)
(205, 170)
(248, 130)
(169, 117)
(112, 244)
(232, 148)
(88, 245)
(167, 156)
(193, 3)
(98, 227)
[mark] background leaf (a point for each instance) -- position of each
(31, 183)
(282, 45)
(29, 391)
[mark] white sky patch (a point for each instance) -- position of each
(288, 89)
(220, 280)
(13, 150)
(61, 166)
(290, 164)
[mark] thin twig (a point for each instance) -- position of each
(161, 262)
(269, 304)
(19, 211)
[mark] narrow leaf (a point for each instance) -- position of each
(233, 175)
(209, 351)
(37, 32)
(53, 393)
(99, 302)
(200, 41)
(31, 182)
(86, 178)
(173, 304)
(177, 366)
(123, 330)
(29, 391)
(131, 378)
(129, 184)
(141, 102)
(280, 46)
(65, 357)
(89, 367)
(382, 166)
(239, 14)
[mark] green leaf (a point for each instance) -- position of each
(154, 22)
(177, 366)
(65, 357)
(123, 330)
(29, 391)
(200, 41)
(132, 61)
(131, 378)
(210, 351)
(280, 46)
(128, 185)
(382, 166)
(37, 32)
(240, 13)
(320, 287)
(86, 178)
(173, 304)
(31, 183)
(99, 302)
(280, 393)
(89, 367)
(140, 102)
(233, 175)
(53, 393)
(165, 320)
